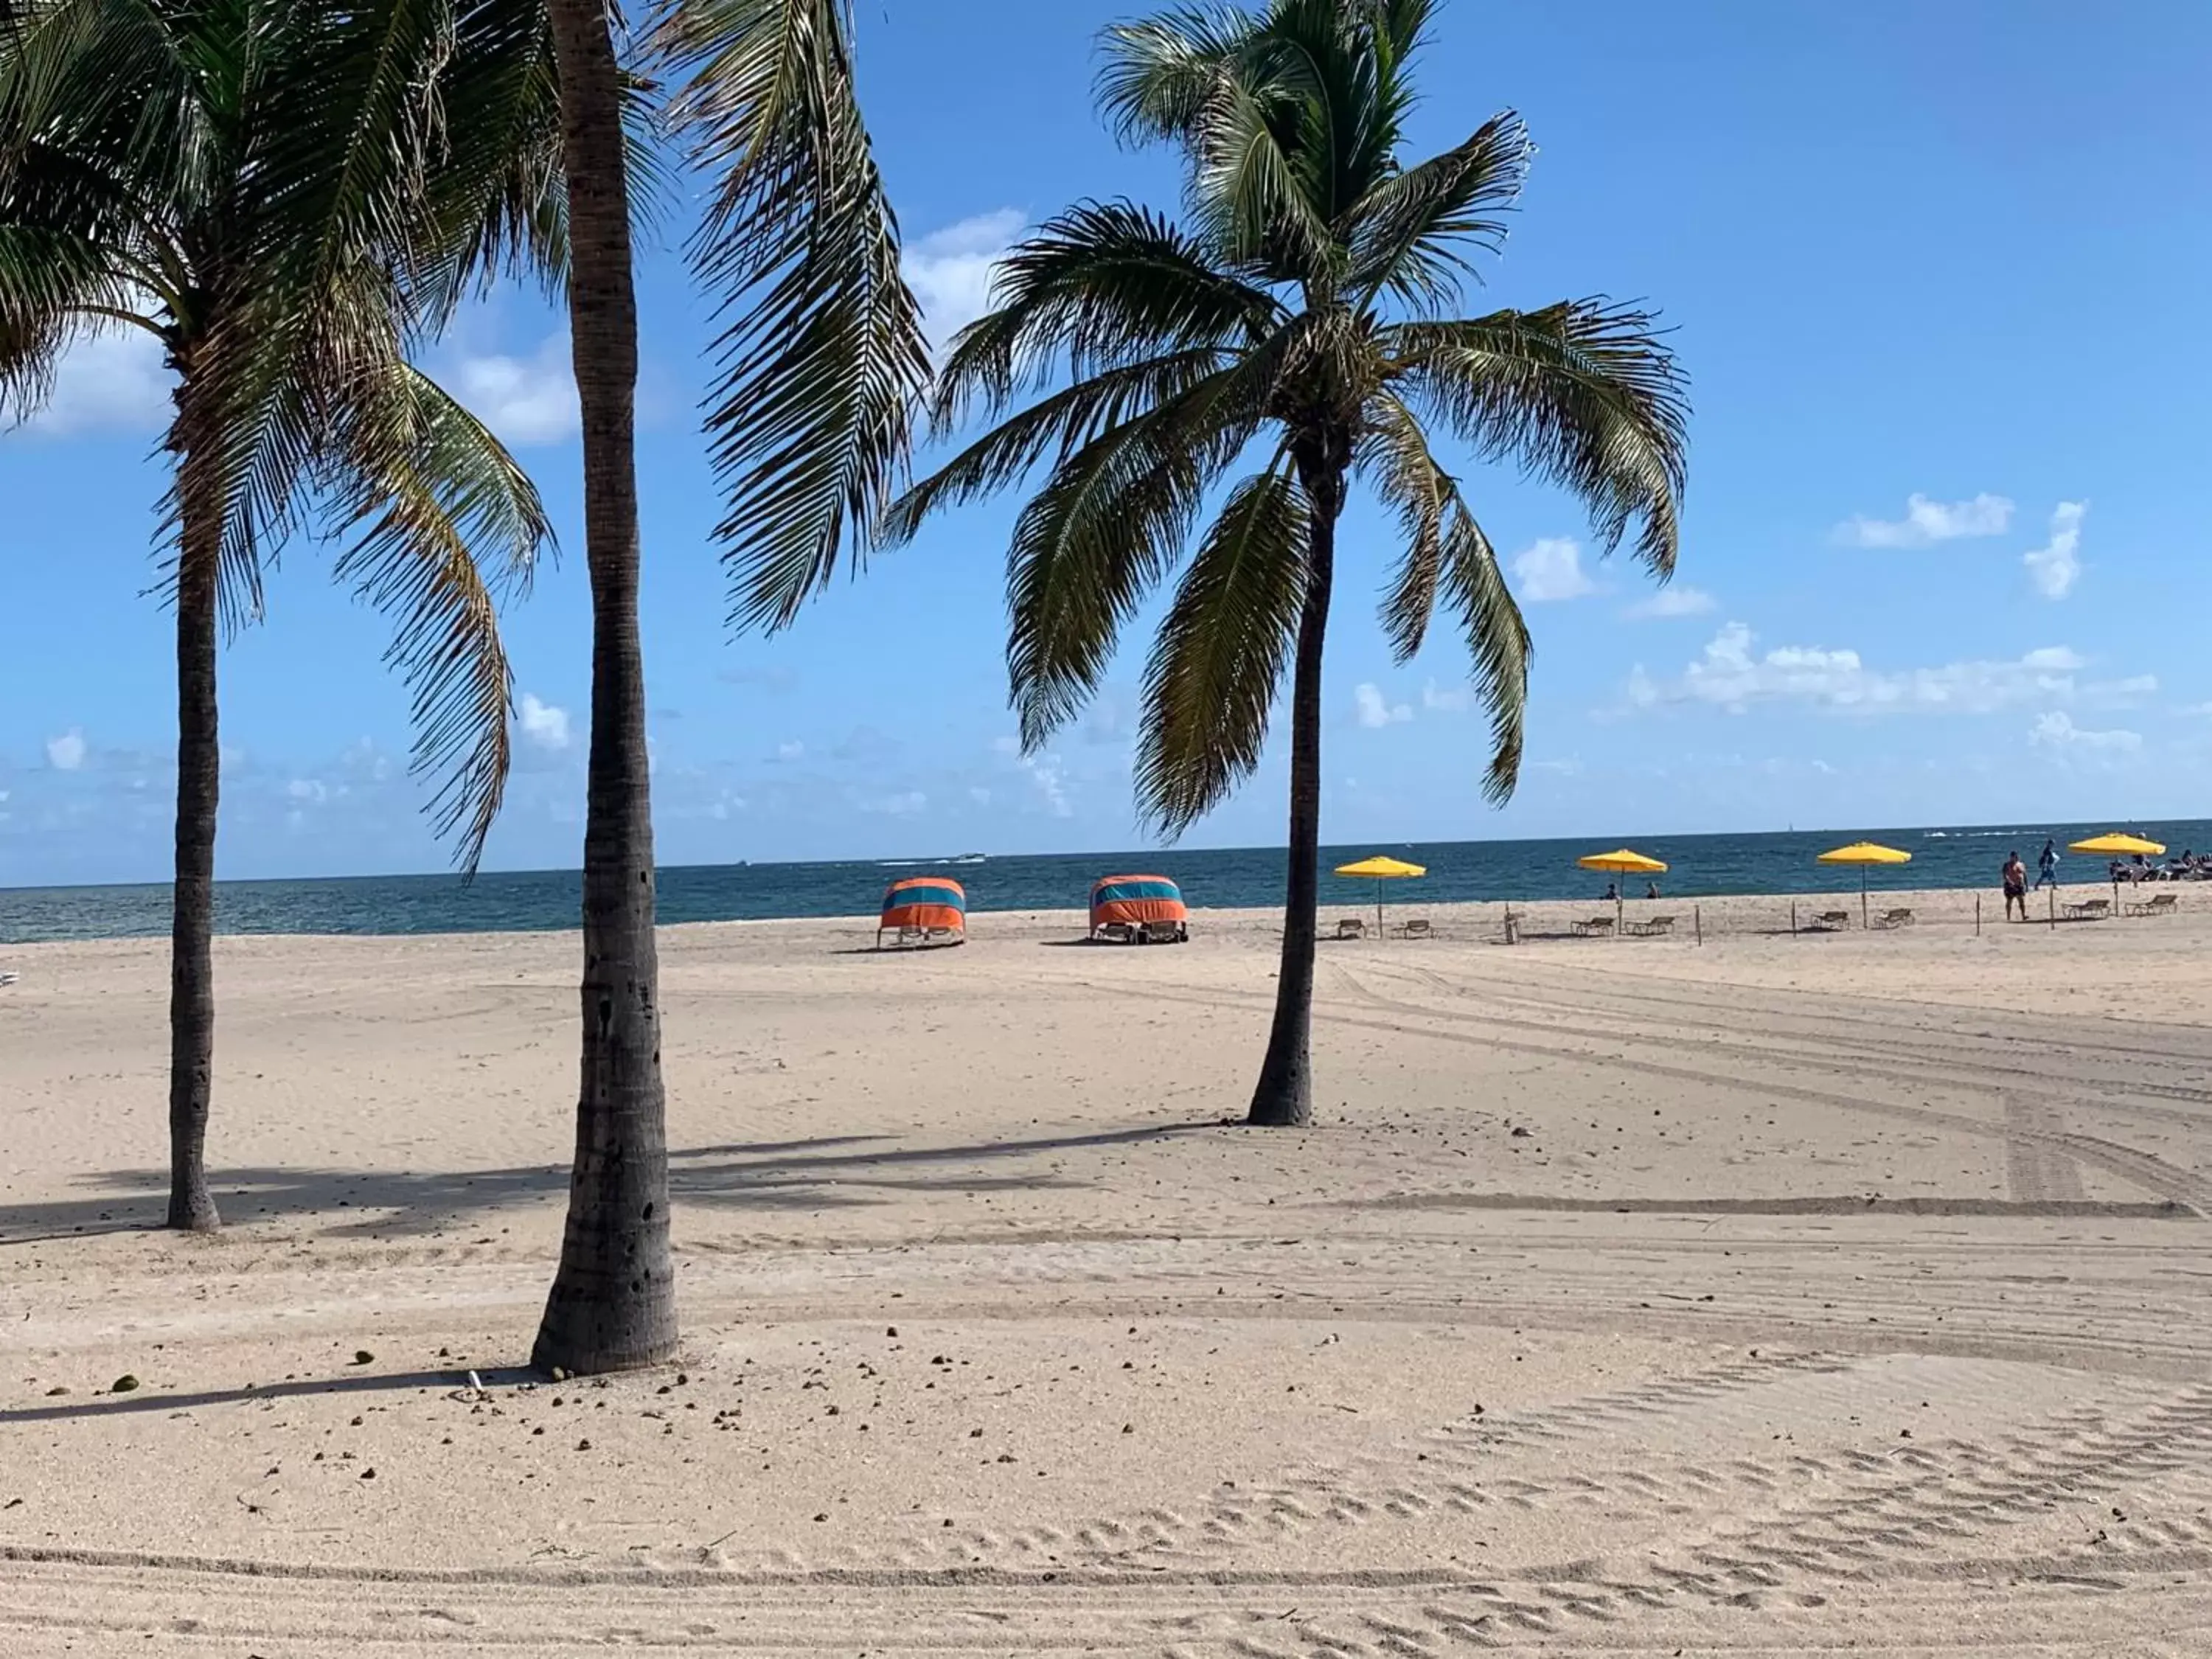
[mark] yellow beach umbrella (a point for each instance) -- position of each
(1381, 868)
(1865, 854)
(2118, 845)
(1622, 862)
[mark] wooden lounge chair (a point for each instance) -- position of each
(1652, 926)
(1828, 918)
(1894, 919)
(1418, 927)
(2090, 909)
(1592, 926)
(1352, 927)
(2162, 905)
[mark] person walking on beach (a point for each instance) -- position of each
(2015, 887)
(2047, 867)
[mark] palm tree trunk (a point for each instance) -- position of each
(199, 776)
(613, 1302)
(1285, 1094)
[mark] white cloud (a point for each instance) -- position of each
(1730, 675)
(66, 752)
(950, 269)
(308, 789)
(1563, 768)
(114, 381)
(1673, 601)
(1927, 522)
(1048, 778)
(525, 400)
(1374, 709)
(2058, 730)
(1447, 699)
(1551, 568)
(2054, 568)
(790, 752)
(980, 796)
(543, 724)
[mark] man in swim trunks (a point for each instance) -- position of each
(2015, 887)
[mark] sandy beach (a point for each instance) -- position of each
(1772, 1296)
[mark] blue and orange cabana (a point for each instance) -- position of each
(925, 909)
(1144, 908)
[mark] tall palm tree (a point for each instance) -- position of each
(821, 361)
(1303, 315)
(289, 195)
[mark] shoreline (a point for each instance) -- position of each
(1725, 913)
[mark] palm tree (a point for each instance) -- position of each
(821, 362)
(288, 197)
(1303, 315)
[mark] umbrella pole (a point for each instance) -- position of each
(1378, 908)
(1863, 898)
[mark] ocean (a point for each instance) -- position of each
(509, 901)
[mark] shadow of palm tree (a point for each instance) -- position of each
(825, 1172)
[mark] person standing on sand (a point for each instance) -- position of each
(2047, 867)
(2015, 887)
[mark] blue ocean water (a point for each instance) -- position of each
(1228, 878)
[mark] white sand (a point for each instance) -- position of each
(1843, 1293)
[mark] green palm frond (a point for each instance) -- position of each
(497, 194)
(1394, 455)
(431, 499)
(1161, 75)
(1583, 393)
(55, 288)
(1065, 422)
(1104, 285)
(822, 360)
(1103, 531)
(1416, 229)
(1497, 644)
(1255, 192)
(1220, 653)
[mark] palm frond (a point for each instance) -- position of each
(1103, 286)
(1161, 75)
(432, 499)
(823, 360)
(1105, 527)
(1219, 658)
(1447, 555)
(496, 194)
(1582, 393)
(1497, 644)
(1413, 232)
(1256, 194)
(1394, 455)
(55, 288)
(1064, 421)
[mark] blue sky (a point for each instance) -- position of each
(1934, 274)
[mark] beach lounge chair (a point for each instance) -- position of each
(1894, 919)
(1593, 927)
(1418, 927)
(2089, 909)
(2162, 905)
(1163, 932)
(6, 979)
(1352, 927)
(1828, 918)
(1652, 926)
(1116, 933)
